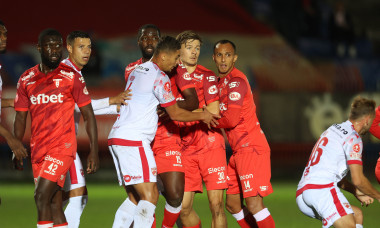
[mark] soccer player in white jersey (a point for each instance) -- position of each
(338, 150)
(79, 48)
(131, 135)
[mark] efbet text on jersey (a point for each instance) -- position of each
(44, 99)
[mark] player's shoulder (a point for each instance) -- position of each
(132, 65)
(29, 73)
(67, 72)
(237, 73)
(203, 70)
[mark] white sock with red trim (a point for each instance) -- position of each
(74, 210)
(45, 224)
(264, 219)
(124, 215)
(63, 225)
(144, 214)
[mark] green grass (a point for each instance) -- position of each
(18, 210)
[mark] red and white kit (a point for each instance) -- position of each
(51, 98)
(204, 154)
(167, 142)
(249, 166)
(131, 135)
(317, 194)
(131, 67)
(375, 130)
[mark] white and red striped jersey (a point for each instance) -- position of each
(339, 146)
(137, 121)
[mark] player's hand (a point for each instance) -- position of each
(210, 119)
(92, 162)
(161, 112)
(17, 148)
(17, 164)
(365, 200)
(121, 98)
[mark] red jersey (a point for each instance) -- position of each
(198, 136)
(130, 68)
(167, 131)
(51, 98)
(235, 93)
(375, 128)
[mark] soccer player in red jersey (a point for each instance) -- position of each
(249, 169)
(49, 91)
(375, 131)
(203, 150)
(147, 39)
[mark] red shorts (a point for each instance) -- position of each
(54, 168)
(209, 165)
(249, 173)
(169, 160)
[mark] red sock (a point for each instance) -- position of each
(154, 222)
(377, 170)
(196, 226)
(268, 222)
(242, 223)
(250, 220)
(169, 219)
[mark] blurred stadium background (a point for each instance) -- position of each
(303, 71)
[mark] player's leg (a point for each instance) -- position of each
(125, 213)
(377, 170)
(188, 216)
(174, 186)
(216, 204)
(145, 208)
(43, 195)
(57, 211)
(358, 214)
(347, 221)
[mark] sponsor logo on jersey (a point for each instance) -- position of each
(57, 81)
(154, 171)
(213, 89)
(54, 160)
(234, 96)
(340, 128)
(85, 91)
(81, 79)
(69, 75)
(198, 77)
(139, 67)
(211, 139)
(328, 218)
(222, 107)
(211, 78)
(355, 155)
(263, 188)
(44, 99)
(29, 83)
(128, 178)
(28, 76)
(245, 177)
(217, 169)
(130, 68)
(234, 84)
(356, 148)
(172, 153)
(187, 76)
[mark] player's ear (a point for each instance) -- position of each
(235, 57)
(39, 48)
(69, 48)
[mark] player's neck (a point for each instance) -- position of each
(45, 69)
(76, 65)
(357, 125)
(190, 68)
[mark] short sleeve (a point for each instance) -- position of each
(237, 89)
(80, 92)
(162, 90)
(353, 150)
(21, 99)
(210, 88)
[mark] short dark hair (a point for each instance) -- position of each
(76, 34)
(146, 26)
(48, 32)
(184, 36)
(2, 23)
(167, 43)
(361, 107)
(225, 42)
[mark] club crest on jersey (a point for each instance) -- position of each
(154, 171)
(167, 87)
(356, 148)
(186, 76)
(213, 89)
(57, 82)
(69, 75)
(234, 96)
(132, 78)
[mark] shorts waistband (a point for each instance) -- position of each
(123, 142)
(313, 186)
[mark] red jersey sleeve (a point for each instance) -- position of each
(21, 99)
(210, 88)
(79, 92)
(183, 78)
(375, 128)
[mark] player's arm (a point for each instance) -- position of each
(92, 132)
(375, 128)
(361, 182)
(6, 103)
(349, 187)
(190, 101)
(14, 142)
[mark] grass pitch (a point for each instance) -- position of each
(18, 210)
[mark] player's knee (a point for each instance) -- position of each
(40, 198)
(216, 206)
(175, 201)
(151, 196)
(232, 208)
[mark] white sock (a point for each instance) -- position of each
(173, 210)
(239, 216)
(144, 214)
(124, 215)
(46, 225)
(359, 226)
(261, 215)
(74, 210)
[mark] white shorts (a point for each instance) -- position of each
(326, 204)
(75, 176)
(134, 164)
